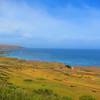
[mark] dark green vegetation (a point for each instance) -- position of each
(26, 80)
(87, 97)
(15, 93)
(68, 66)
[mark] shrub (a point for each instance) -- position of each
(68, 66)
(67, 98)
(87, 97)
(41, 78)
(28, 80)
(43, 91)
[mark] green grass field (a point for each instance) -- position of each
(27, 80)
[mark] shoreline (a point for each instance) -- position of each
(70, 57)
(75, 66)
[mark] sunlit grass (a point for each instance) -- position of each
(26, 80)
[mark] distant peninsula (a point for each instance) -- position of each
(4, 46)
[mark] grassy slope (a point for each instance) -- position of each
(62, 81)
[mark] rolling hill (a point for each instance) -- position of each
(28, 80)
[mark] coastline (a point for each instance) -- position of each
(66, 56)
(75, 66)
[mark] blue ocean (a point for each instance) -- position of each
(73, 57)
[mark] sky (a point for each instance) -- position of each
(50, 23)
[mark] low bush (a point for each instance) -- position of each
(68, 66)
(87, 97)
(28, 80)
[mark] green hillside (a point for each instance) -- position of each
(27, 80)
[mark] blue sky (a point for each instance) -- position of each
(50, 23)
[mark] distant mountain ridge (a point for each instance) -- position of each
(9, 47)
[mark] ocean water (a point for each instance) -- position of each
(72, 57)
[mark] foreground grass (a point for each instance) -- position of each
(21, 94)
(26, 80)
